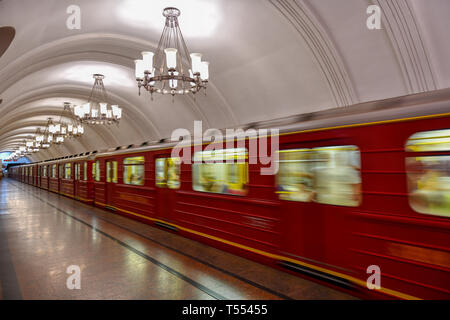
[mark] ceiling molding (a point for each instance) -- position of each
(324, 51)
(400, 24)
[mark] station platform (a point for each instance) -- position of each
(42, 234)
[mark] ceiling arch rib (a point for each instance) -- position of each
(322, 48)
(405, 36)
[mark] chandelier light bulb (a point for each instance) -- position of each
(204, 70)
(171, 58)
(115, 110)
(196, 59)
(147, 57)
(103, 108)
(139, 68)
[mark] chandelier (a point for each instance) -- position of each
(31, 145)
(55, 132)
(71, 127)
(41, 139)
(97, 110)
(171, 69)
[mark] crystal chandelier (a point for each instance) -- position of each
(97, 110)
(171, 69)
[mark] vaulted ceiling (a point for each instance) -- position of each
(269, 59)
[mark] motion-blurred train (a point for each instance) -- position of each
(359, 189)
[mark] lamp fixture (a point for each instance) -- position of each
(97, 110)
(171, 69)
(70, 125)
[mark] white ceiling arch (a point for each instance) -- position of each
(269, 59)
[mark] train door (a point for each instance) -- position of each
(111, 180)
(316, 187)
(303, 222)
(167, 180)
(60, 168)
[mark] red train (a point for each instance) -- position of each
(367, 185)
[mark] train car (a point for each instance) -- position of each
(356, 190)
(123, 181)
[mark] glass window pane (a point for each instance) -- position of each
(85, 171)
(294, 178)
(108, 171)
(97, 171)
(67, 171)
(160, 172)
(115, 169)
(221, 171)
(429, 176)
(437, 140)
(337, 178)
(173, 173)
(133, 170)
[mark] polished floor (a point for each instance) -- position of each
(42, 234)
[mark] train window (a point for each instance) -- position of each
(44, 171)
(85, 171)
(111, 171)
(294, 178)
(96, 170)
(54, 171)
(437, 140)
(173, 173)
(221, 171)
(61, 171)
(77, 171)
(429, 176)
(108, 171)
(115, 177)
(168, 172)
(133, 170)
(160, 172)
(337, 178)
(67, 171)
(328, 175)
